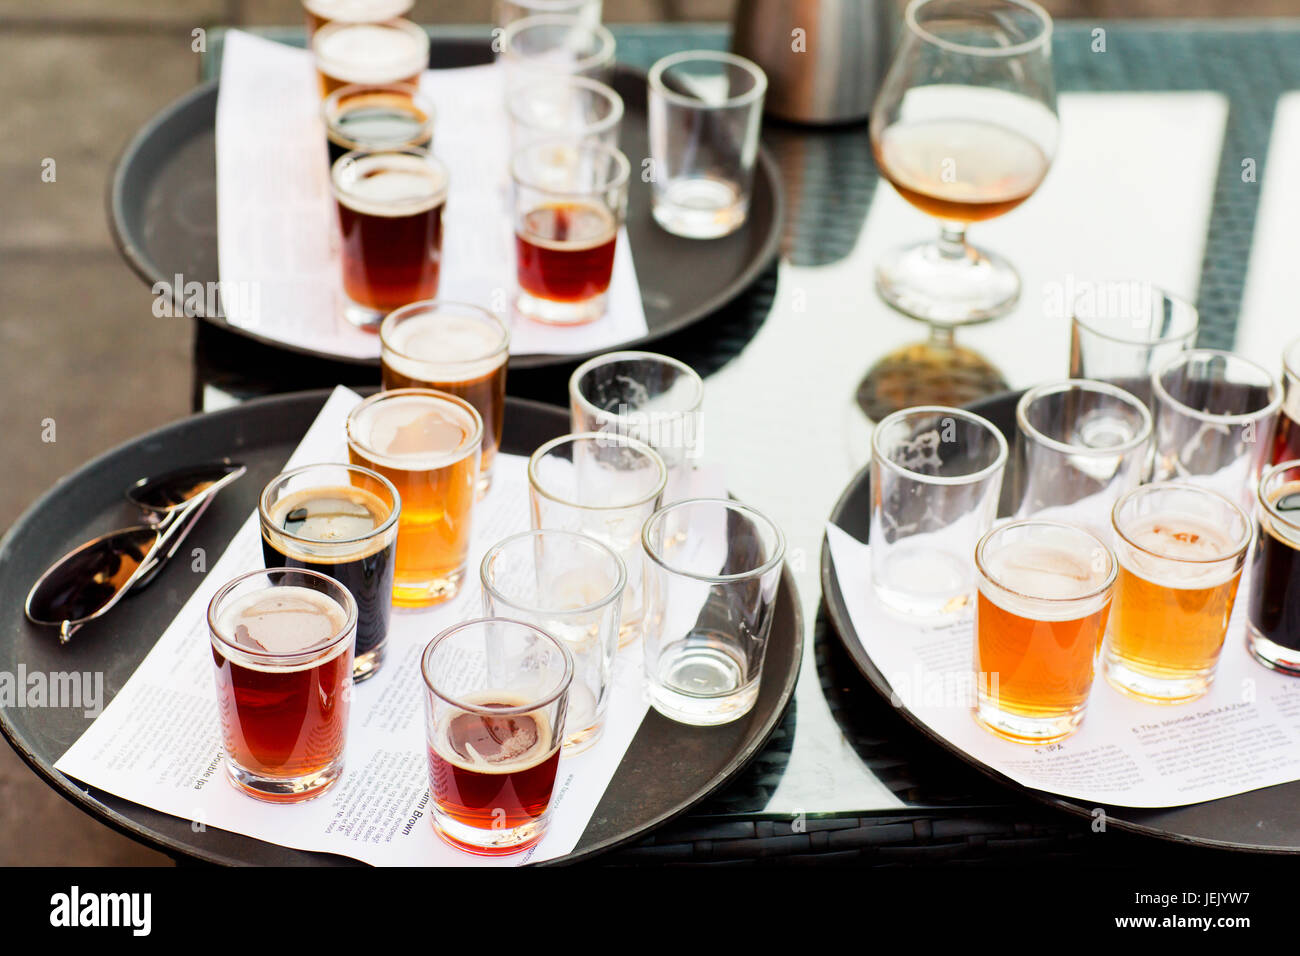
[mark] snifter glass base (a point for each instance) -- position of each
(283, 789)
(1271, 654)
(1129, 680)
(958, 286)
(1024, 729)
(551, 312)
(488, 842)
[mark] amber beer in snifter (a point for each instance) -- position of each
(456, 348)
(1044, 596)
(427, 444)
(1273, 606)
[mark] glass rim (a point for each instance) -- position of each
(1184, 304)
(655, 79)
(549, 698)
(472, 443)
(263, 510)
(729, 504)
(353, 156)
(1291, 359)
(551, 6)
(348, 604)
(400, 8)
(986, 575)
(604, 90)
(1044, 38)
(603, 54)
(394, 318)
(609, 358)
(330, 106)
(1235, 418)
(399, 24)
(1155, 486)
(618, 181)
(1084, 385)
(585, 540)
(626, 441)
(1269, 473)
(976, 476)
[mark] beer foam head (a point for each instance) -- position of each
(1060, 573)
(282, 622)
(414, 431)
(358, 11)
(390, 184)
(495, 744)
(371, 52)
(1180, 550)
(328, 525)
(443, 346)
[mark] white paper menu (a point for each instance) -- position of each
(158, 742)
(1243, 735)
(277, 235)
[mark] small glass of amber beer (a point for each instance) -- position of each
(390, 217)
(496, 699)
(282, 648)
(395, 51)
(321, 12)
(1044, 596)
(1181, 549)
(570, 199)
(455, 348)
(427, 444)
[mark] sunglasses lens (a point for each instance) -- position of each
(88, 578)
(176, 487)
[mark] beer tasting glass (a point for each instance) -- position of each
(390, 216)
(339, 520)
(705, 109)
(496, 697)
(1215, 416)
(456, 348)
(569, 201)
(1273, 606)
(711, 576)
(572, 108)
(1044, 593)
(652, 398)
(936, 475)
(1286, 445)
(508, 11)
(282, 651)
(427, 444)
(555, 44)
(605, 486)
(571, 586)
(965, 128)
(321, 12)
(396, 51)
(1123, 331)
(376, 119)
(1079, 446)
(1181, 549)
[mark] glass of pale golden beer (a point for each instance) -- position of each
(1044, 595)
(1181, 549)
(427, 444)
(456, 348)
(395, 51)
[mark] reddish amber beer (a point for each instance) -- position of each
(565, 252)
(282, 644)
(390, 215)
(495, 705)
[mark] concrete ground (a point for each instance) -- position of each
(78, 77)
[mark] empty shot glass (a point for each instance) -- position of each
(508, 11)
(705, 110)
(571, 586)
(605, 486)
(1044, 596)
(546, 45)
(1215, 416)
(1079, 446)
(496, 699)
(936, 476)
(572, 108)
(712, 570)
(649, 397)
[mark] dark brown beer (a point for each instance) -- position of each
(565, 251)
(1274, 605)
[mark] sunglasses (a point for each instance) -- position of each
(89, 580)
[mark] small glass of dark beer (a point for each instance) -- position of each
(455, 348)
(340, 520)
(321, 12)
(376, 119)
(1286, 445)
(427, 444)
(282, 647)
(570, 199)
(395, 51)
(1273, 608)
(496, 698)
(390, 216)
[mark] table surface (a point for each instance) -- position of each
(844, 776)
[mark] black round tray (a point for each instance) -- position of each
(1263, 821)
(667, 768)
(162, 211)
